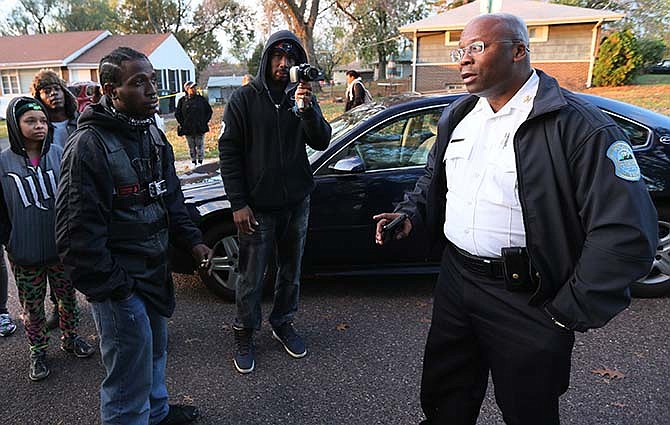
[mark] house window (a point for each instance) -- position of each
(159, 79)
(185, 76)
(10, 82)
(451, 38)
(537, 34)
(172, 80)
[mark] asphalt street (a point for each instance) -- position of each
(365, 339)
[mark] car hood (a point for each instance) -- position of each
(203, 184)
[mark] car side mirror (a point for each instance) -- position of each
(352, 164)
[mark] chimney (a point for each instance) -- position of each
(490, 6)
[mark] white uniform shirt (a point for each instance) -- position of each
(483, 212)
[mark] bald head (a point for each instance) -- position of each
(505, 26)
(495, 60)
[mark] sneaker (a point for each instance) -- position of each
(244, 351)
(180, 414)
(293, 344)
(54, 319)
(38, 367)
(78, 346)
(7, 325)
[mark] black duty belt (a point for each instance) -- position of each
(483, 266)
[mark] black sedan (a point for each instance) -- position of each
(377, 152)
(660, 68)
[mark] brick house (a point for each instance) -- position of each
(564, 41)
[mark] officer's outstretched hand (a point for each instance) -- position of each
(385, 218)
(203, 255)
(245, 221)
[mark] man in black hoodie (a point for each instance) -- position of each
(118, 200)
(268, 180)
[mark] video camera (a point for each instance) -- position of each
(305, 72)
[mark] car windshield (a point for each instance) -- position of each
(347, 121)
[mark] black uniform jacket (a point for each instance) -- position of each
(264, 163)
(589, 233)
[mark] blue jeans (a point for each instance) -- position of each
(133, 346)
(285, 229)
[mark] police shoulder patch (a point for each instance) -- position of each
(625, 165)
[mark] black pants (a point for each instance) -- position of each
(478, 326)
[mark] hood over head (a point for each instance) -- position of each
(17, 107)
(47, 77)
(283, 40)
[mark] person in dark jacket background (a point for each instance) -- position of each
(356, 93)
(193, 114)
(29, 174)
(118, 201)
(61, 109)
(546, 221)
(268, 180)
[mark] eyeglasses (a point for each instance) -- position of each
(477, 48)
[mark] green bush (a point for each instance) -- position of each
(652, 51)
(619, 60)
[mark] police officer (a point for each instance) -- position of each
(118, 200)
(538, 199)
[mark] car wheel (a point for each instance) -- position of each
(657, 282)
(222, 239)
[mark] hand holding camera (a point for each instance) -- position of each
(304, 74)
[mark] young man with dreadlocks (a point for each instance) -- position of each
(118, 200)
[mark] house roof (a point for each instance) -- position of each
(52, 48)
(532, 12)
(229, 81)
(144, 43)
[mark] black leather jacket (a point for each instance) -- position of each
(589, 233)
(112, 236)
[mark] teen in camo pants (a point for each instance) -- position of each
(31, 282)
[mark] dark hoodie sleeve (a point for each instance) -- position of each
(177, 111)
(317, 130)
(182, 230)
(5, 223)
(83, 213)
(231, 152)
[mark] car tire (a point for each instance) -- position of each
(222, 239)
(657, 282)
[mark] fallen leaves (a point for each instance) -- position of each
(342, 326)
(608, 373)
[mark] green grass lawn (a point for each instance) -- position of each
(3, 129)
(648, 79)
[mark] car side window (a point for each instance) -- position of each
(637, 134)
(401, 142)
